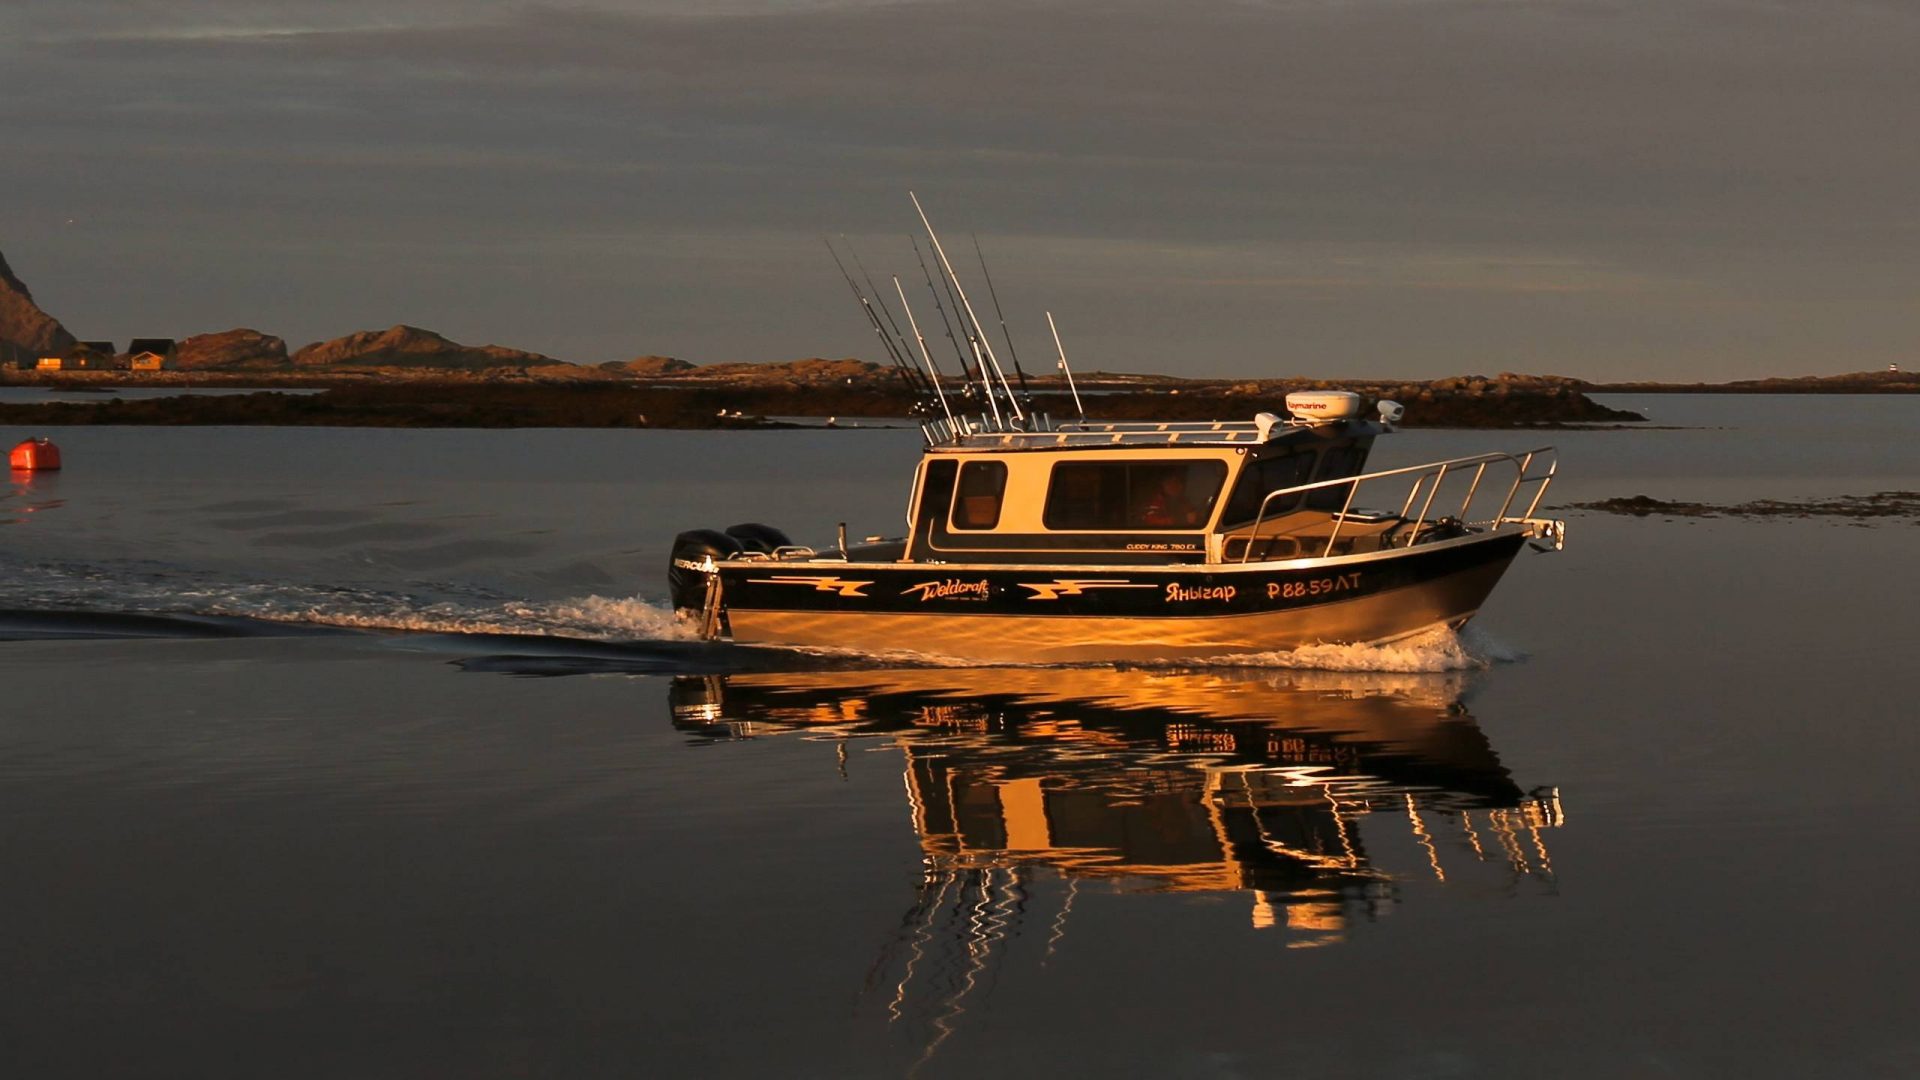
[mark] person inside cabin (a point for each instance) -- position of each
(1167, 507)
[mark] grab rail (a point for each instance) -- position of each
(1169, 433)
(1436, 471)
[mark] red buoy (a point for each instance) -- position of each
(35, 455)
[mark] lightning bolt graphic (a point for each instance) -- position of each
(820, 584)
(1060, 587)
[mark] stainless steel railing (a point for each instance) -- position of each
(1429, 478)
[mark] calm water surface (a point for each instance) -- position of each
(1653, 816)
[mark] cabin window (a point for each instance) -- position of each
(1123, 496)
(1335, 463)
(1265, 475)
(977, 503)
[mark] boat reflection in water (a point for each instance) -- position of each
(1030, 786)
(1233, 781)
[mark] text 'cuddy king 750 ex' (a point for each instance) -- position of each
(1035, 541)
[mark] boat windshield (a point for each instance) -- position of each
(1268, 474)
(1291, 470)
(1336, 462)
(1134, 494)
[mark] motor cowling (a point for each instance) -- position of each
(689, 568)
(754, 536)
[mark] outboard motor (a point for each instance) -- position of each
(688, 570)
(761, 538)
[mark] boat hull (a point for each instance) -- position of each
(1067, 614)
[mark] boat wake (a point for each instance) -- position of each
(1467, 649)
(590, 618)
(135, 590)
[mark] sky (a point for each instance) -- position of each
(1656, 189)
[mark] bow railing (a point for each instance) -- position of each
(1428, 479)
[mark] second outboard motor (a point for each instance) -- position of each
(756, 537)
(687, 574)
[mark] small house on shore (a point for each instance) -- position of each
(83, 356)
(91, 356)
(150, 354)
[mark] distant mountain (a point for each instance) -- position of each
(412, 347)
(26, 332)
(237, 348)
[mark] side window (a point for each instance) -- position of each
(977, 505)
(1260, 477)
(1085, 496)
(1132, 495)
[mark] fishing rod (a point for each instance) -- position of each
(993, 400)
(974, 368)
(969, 370)
(872, 319)
(919, 381)
(984, 359)
(880, 300)
(1063, 366)
(970, 367)
(1002, 316)
(980, 341)
(937, 306)
(924, 354)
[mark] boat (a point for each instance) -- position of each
(1035, 540)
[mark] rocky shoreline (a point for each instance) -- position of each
(419, 401)
(1891, 381)
(1880, 504)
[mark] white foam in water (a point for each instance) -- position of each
(631, 617)
(1434, 651)
(447, 609)
(592, 617)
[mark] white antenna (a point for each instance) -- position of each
(1063, 365)
(932, 372)
(979, 330)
